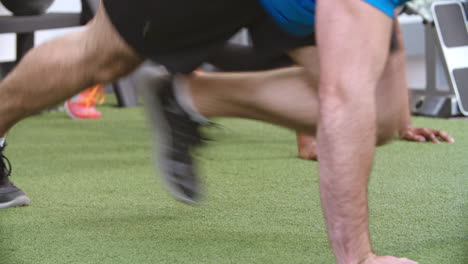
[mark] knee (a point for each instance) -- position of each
(113, 66)
(93, 62)
(106, 55)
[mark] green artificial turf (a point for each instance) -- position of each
(95, 198)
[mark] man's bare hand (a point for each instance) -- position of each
(424, 134)
(373, 259)
(307, 145)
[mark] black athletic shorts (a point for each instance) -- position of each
(182, 34)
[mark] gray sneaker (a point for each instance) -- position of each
(176, 135)
(10, 195)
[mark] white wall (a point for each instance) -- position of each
(8, 42)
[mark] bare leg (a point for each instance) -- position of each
(268, 96)
(393, 87)
(306, 146)
(286, 98)
(63, 67)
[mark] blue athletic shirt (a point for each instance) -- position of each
(297, 17)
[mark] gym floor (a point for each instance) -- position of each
(95, 198)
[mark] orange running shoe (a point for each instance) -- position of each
(81, 106)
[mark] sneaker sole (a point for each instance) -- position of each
(74, 117)
(22, 200)
(69, 112)
(160, 133)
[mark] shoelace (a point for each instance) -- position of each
(95, 96)
(212, 124)
(199, 138)
(7, 164)
(191, 135)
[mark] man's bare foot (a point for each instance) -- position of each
(306, 147)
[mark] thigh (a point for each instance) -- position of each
(104, 50)
(237, 57)
(308, 57)
(270, 41)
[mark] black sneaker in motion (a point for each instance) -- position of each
(10, 195)
(176, 135)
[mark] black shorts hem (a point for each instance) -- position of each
(182, 39)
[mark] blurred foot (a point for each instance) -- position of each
(10, 195)
(77, 111)
(306, 147)
(177, 135)
(81, 106)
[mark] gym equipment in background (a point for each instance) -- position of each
(27, 7)
(25, 26)
(446, 43)
(452, 32)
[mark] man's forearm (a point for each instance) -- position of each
(347, 126)
(346, 155)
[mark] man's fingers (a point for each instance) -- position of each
(409, 261)
(419, 138)
(413, 136)
(434, 139)
(389, 260)
(404, 261)
(445, 136)
(429, 134)
(424, 134)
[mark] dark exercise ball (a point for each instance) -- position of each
(27, 7)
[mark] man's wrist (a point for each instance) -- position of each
(403, 128)
(361, 260)
(354, 252)
(366, 258)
